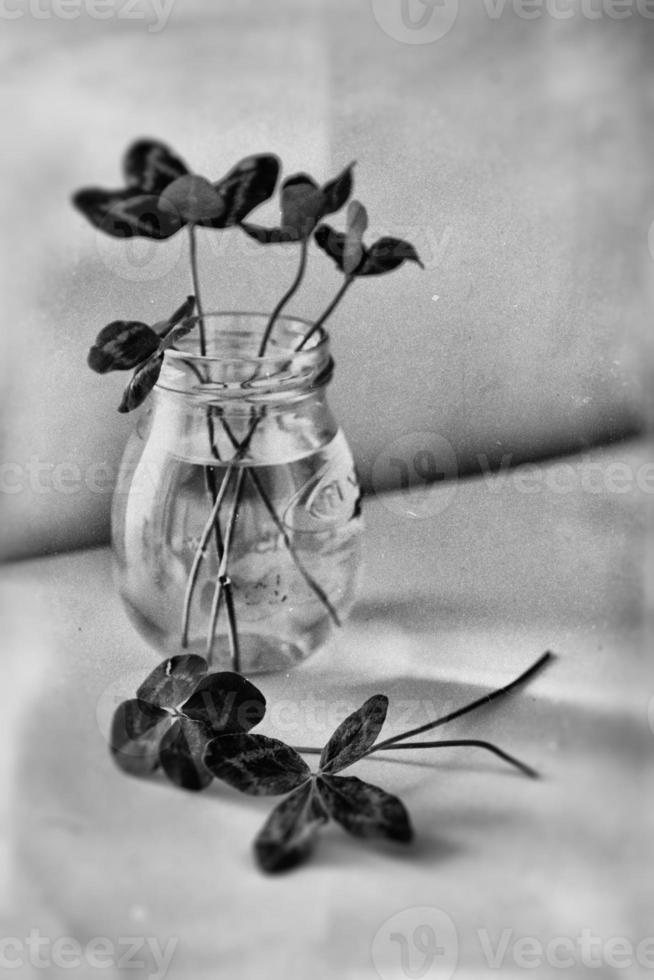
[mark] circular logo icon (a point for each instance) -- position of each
(418, 942)
(415, 21)
(415, 464)
(139, 259)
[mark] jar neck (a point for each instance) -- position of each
(231, 370)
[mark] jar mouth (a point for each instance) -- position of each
(231, 366)
(236, 335)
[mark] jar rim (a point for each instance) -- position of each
(317, 346)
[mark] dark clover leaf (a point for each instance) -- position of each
(387, 254)
(162, 196)
(303, 203)
(226, 702)
(121, 345)
(178, 710)
(256, 764)
(351, 255)
(336, 192)
(127, 213)
(355, 735)
(247, 185)
(173, 681)
(333, 243)
(290, 831)
(151, 166)
(193, 198)
(182, 312)
(270, 236)
(136, 731)
(141, 384)
(364, 810)
(126, 344)
(357, 222)
(180, 754)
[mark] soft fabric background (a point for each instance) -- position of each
(515, 153)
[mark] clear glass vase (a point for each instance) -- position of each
(236, 516)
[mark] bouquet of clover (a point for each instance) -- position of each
(160, 197)
(186, 721)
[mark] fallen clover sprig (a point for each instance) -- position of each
(195, 725)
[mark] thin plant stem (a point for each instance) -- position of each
(199, 553)
(475, 742)
(308, 578)
(288, 295)
(347, 282)
(222, 569)
(449, 743)
(478, 703)
(193, 253)
(234, 645)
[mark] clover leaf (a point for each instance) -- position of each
(125, 344)
(177, 710)
(303, 204)
(355, 259)
(262, 766)
(161, 194)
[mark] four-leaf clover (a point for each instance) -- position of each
(355, 259)
(125, 344)
(177, 710)
(303, 203)
(161, 195)
(262, 766)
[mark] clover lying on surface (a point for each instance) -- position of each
(125, 344)
(161, 195)
(195, 725)
(262, 766)
(177, 710)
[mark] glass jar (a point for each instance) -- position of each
(236, 516)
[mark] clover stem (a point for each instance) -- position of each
(290, 292)
(449, 743)
(193, 255)
(199, 554)
(475, 742)
(308, 578)
(223, 582)
(478, 703)
(347, 282)
(234, 647)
